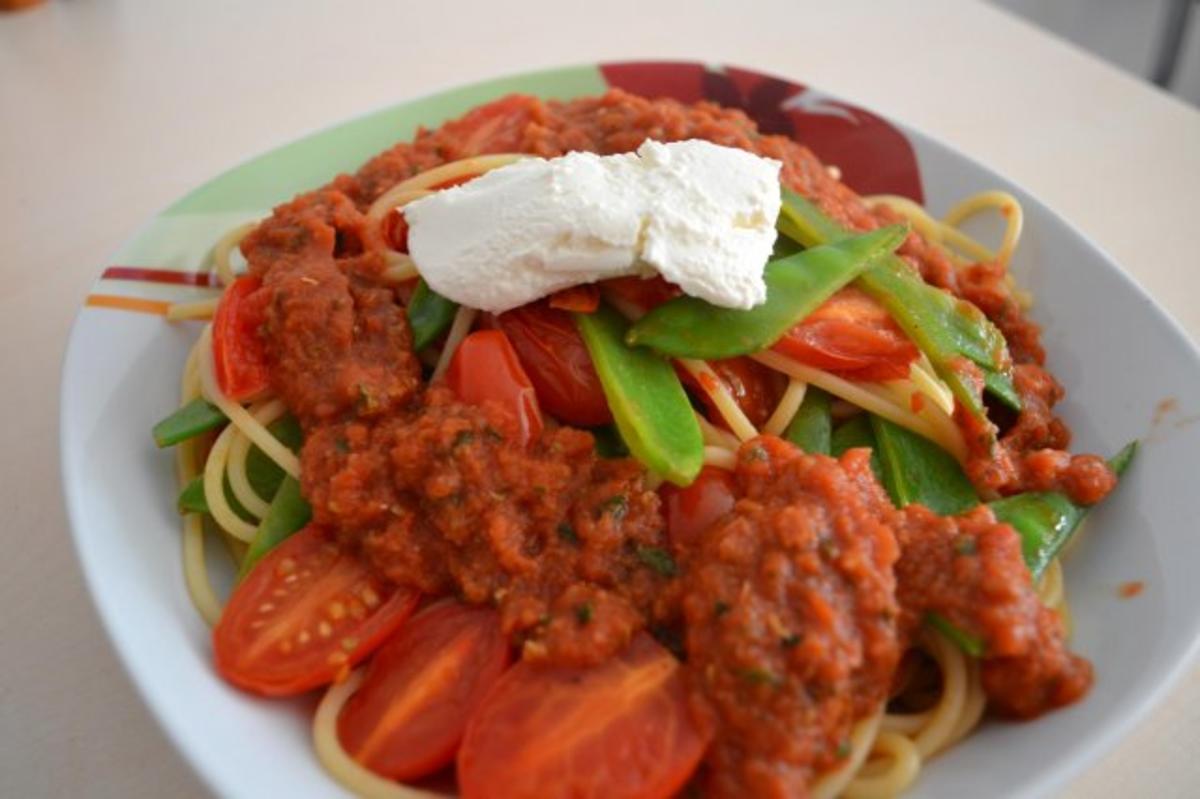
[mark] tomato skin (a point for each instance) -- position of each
(486, 368)
(618, 730)
(395, 230)
(852, 336)
(641, 293)
(333, 614)
(754, 387)
(239, 352)
(584, 298)
(692, 510)
(558, 363)
(408, 717)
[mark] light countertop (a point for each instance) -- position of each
(110, 109)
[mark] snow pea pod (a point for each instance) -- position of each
(648, 403)
(944, 327)
(917, 470)
(288, 513)
(1046, 520)
(856, 432)
(812, 427)
(429, 315)
(263, 473)
(688, 327)
(197, 417)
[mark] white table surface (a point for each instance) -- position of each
(109, 109)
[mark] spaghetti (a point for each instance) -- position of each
(885, 749)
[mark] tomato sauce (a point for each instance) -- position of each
(969, 570)
(794, 607)
(791, 612)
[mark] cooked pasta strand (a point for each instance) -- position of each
(464, 317)
(720, 457)
(238, 415)
(345, 769)
(712, 385)
(785, 411)
(868, 398)
(223, 251)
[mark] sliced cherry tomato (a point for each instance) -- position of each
(239, 352)
(692, 510)
(486, 368)
(395, 230)
(620, 729)
(581, 299)
(755, 387)
(558, 363)
(853, 336)
(497, 127)
(641, 293)
(304, 616)
(408, 717)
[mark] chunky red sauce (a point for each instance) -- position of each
(790, 605)
(794, 608)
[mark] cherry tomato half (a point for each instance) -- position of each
(641, 293)
(304, 616)
(408, 718)
(486, 368)
(851, 335)
(558, 363)
(755, 387)
(239, 352)
(692, 510)
(619, 730)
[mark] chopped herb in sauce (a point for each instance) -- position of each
(616, 505)
(493, 433)
(567, 533)
(760, 676)
(341, 445)
(790, 640)
(965, 545)
(366, 401)
(756, 453)
(658, 559)
(583, 613)
(463, 437)
(671, 638)
(721, 608)
(843, 749)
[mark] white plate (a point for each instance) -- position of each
(1116, 351)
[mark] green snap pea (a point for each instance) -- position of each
(970, 643)
(197, 417)
(917, 470)
(944, 327)
(429, 315)
(287, 514)
(811, 429)
(191, 498)
(856, 432)
(1046, 520)
(609, 443)
(688, 327)
(651, 410)
(263, 474)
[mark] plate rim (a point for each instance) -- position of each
(1054, 776)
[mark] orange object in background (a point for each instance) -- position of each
(18, 5)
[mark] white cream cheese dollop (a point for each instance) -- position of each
(701, 215)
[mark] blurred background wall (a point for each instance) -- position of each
(1157, 40)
